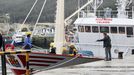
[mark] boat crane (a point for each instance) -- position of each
(73, 14)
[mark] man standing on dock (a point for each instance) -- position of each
(107, 45)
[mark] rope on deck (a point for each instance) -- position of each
(57, 64)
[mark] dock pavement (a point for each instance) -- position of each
(123, 66)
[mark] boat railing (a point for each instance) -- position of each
(114, 45)
(104, 14)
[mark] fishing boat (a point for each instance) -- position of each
(118, 24)
(41, 61)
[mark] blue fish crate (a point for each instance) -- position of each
(86, 53)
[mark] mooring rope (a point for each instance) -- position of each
(29, 13)
(57, 65)
(39, 16)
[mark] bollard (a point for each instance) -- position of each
(120, 55)
(132, 51)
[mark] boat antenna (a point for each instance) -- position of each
(96, 4)
(129, 2)
(28, 15)
(7, 21)
(133, 11)
(38, 17)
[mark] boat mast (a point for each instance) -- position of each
(133, 10)
(59, 37)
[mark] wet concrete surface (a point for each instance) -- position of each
(115, 67)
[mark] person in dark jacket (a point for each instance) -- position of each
(1, 40)
(53, 50)
(107, 45)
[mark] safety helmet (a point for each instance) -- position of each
(27, 33)
(71, 44)
(52, 44)
(64, 48)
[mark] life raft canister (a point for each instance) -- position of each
(9, 47)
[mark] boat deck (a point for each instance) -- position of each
(115, 67)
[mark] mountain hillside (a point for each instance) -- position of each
(18, 9)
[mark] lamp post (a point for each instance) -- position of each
(3, 60)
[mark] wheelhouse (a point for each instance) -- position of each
(121, 32)
(101, 25)
(127, 30)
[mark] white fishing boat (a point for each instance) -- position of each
(118, 24)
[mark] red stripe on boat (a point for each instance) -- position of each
(46, 57)
(18, 71)
(34, 64)
(45, 61)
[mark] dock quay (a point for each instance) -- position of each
(115, 67)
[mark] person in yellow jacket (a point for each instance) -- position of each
(72, 50)
(52, 48)
(65, 51)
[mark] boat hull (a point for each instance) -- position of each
(43, 61)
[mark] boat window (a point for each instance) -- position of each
(81, 28)
(122, 30)
(74, 29)
(87, 28)
(129, 31)
(104, 29)
(113, 29)
(95, 29)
